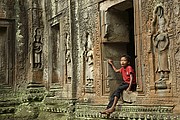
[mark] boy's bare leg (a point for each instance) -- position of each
(112, 109)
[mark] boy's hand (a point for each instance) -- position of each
(128, 90)
(110, 61)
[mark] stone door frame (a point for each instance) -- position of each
(9, 25)
(104, 6)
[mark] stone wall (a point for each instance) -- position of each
(59, 51)
(157, 71)
(15, 13)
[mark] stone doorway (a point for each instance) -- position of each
(3, 59)
(118, 39)
(6, 52)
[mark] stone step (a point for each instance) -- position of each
(5, 86)
(5, 91)
(7, 110)
(8, 100)
(7, 103)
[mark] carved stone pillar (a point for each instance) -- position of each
(35, 89)
(35, 74)
(35, 43)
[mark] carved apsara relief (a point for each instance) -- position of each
(161, 43)
(37, 49)
(2, 12)
(89, 69)
(91, 77)
(68, 58)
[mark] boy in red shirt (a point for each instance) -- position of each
(129, 81)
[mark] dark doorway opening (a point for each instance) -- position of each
(131, 44)
(118, 39)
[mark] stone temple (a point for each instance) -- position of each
(54, 53)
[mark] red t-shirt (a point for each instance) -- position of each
(126, 74)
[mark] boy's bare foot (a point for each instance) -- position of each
(110, 110)
(103, 112)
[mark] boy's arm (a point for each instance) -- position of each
(130, 83)
(114, 68)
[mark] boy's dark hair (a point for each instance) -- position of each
(127, 57)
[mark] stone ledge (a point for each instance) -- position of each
(128, 111)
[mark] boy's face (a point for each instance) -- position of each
(124, 62)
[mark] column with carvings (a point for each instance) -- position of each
(35, 92)
(35, 73)
(35, 88)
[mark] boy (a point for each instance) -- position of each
(129, 81)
